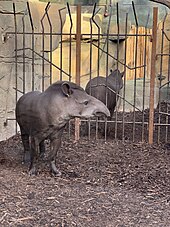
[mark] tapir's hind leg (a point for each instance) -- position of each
(54, 147)
(42, 149)
(26, 145)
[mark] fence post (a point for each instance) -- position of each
(152, 77)
(78, 64)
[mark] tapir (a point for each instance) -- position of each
(43, 115)
(102, 87)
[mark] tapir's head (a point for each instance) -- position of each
(116, 78)
(75, 102)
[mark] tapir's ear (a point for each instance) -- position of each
(66, 89)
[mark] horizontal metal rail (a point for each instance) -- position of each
(83, 34)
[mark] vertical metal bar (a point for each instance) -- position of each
(98, 43)
(98, 59)
(152, 79)
(118, 32)
(135, 76)
(78, 45)
(51, 42)
(43, 46)
(33, 63)
(91, 40)
(61, 47)
(43, 69)
(16, 60)
(23, 42)
(144, 77)
(167, 104)
(70, 54)
(124, 81)
(90, 58)
(160, 81)
(107, 62)
(78, 64)
(70, 43)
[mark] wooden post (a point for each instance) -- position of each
(152, 78)
(78, 64)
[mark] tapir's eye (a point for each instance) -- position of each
(86, 103)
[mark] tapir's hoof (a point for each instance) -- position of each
(42, 155)
(54, 169)
(26, 158)
(33, 172)
(55, 172)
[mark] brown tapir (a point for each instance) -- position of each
(43, 115)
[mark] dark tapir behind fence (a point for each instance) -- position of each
(43, 115)
(102, 87)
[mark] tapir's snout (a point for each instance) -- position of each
(102, 111)
(94, 108)
(99, 108)
(99, 114)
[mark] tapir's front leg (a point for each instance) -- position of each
(55, 145)
(34, 153)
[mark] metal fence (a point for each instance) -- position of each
(144, 121)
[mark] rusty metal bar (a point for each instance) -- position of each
(152, 79)
(118, 42)
(8, 119)
(51, 42)
(135, 15)
(43, 69)
(144, 79)
(135, 76)
(98, 45)
(167, 83)
(21, 92)
(90, 58)
(167, 55)
(107, 62)
(23, 42)
(78, 45)
(43, 34)
(124, 81)
(70, 43)
(160, 81)
(70, 57)
(16, 59)
(78, 64)
(43, 46)
(131, 122)
(61, 45)
(167, 105)
(83, 34)
(91, 41)
(32, 28)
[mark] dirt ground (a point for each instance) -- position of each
(103, 184)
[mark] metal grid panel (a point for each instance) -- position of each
(139, 117)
